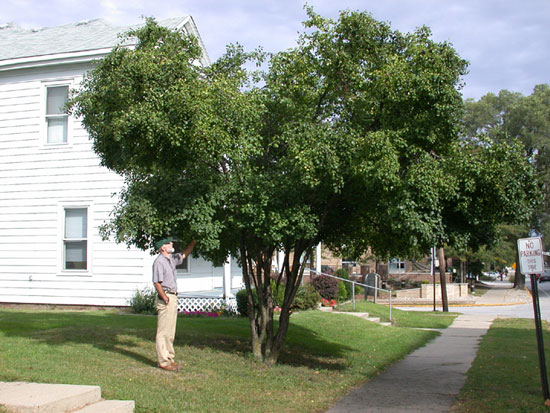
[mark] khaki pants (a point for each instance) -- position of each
(166, 329)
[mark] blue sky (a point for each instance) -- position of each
(507, 42)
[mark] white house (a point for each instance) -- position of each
(54, 195)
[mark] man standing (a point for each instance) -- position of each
(165, 282)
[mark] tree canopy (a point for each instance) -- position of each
(511, 116)
(350, 138)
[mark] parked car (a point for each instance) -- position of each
(545, 276)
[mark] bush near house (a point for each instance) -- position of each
(306, 298)
(343, 291)
(327, 287)
(343, 273)
(143, 301)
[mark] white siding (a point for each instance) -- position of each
(36, 181)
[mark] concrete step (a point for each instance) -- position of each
(53, 398)
(109, 406)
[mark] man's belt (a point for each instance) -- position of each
(170, 292)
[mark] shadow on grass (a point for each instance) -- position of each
(125, 334)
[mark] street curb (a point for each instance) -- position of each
(461, 305)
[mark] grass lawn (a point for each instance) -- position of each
(505, 376)
(400, 318)
(325, 356)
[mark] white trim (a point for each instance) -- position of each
(61, 207)
(64, 81)
(180, 272)
(57, 58)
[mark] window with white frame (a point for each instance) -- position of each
(396, 266)
(56, 118)
(75, 239)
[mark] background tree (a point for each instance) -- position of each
(508, 116)
(351, 138)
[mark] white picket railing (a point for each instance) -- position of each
(197, 304)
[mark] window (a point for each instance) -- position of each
(396, 266)
(56, 119)
(75, 242)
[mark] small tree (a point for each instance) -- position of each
(351, 139)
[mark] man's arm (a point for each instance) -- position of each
(161, 293)
(188, 249)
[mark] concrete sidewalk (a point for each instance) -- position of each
(503, 293)
(427, 380)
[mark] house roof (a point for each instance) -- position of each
(86, 38)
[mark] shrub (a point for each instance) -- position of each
(307, 297)
(242, 301)
(343, 273)
(327, 287)
(342, 291)
(143, 301)
(242, 298)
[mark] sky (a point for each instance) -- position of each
(507, 42)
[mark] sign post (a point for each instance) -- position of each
(531, 262)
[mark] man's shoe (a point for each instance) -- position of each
(170, 367)
(176, 365)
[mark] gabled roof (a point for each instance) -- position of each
(85, 40)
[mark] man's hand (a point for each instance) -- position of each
(161, 293)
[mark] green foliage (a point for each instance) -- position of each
(512, 117)
(306, 298)
(326, 286)
(343, 273)
(143, 301)
(242, 301)
(342, 291)
(278, 294)
(350, 138)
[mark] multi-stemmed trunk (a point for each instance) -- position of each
(266, 341)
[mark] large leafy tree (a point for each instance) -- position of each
(351, 138)
(512, 116)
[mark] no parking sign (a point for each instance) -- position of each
(530, 255)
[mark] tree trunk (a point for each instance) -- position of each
(266, 344)
(519, 279)
(443, 278)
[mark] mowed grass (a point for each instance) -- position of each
(505, 376)
(400, 318)
(324, 357)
